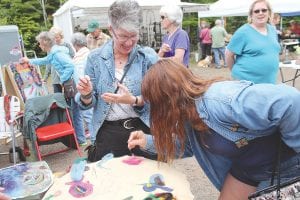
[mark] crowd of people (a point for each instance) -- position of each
(136, 101)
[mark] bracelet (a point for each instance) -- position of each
(136, 100)
(85, 103)
(87, 96)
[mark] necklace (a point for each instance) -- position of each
(120, 61)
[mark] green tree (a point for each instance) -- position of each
(28, 16)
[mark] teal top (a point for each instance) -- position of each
(257, 55)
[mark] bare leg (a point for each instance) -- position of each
(234, 189)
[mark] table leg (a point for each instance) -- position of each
(281, 74)
(295, 77)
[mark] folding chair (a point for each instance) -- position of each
(10, 123)
(54, 132)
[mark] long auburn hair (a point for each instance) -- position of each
(171, 90)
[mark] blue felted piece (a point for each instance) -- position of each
(77, 169)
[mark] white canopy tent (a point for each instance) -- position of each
(224, 8)
(75, 14)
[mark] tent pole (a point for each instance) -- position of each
(281, 23)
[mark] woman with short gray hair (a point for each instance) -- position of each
(176, 43)
(78, 40)
(79, 43)
(118, 107)
(58, 56)
(119, 17)
(50, 70)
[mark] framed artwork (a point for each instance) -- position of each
(28, 80)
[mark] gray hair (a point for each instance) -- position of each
(218, 22)
(46, 38)
(173, 13)
(126, 14)
(79, 39)
(57, 31)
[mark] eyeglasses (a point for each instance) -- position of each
(163, 17)
(264, 10)
(123, 38)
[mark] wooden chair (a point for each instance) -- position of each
(54, 132)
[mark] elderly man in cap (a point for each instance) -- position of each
(96, 37)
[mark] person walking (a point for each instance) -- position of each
(218, 35)
(206, 41)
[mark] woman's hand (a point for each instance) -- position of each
(137, 138)
(84, 85)
(163, 49)
(124, 96)
(24, 60)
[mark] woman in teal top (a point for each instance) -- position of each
(253, 51)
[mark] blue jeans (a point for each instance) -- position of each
(288, 170)
(78, 122)
(88, 118)
(217, 53)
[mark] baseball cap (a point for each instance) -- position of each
(93, 25)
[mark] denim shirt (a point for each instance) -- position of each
(101, 69)
(241, 109)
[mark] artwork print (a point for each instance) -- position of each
(26, 179)
(28, 80)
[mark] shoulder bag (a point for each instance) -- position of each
(289, 190)
(92, 149)
(70, 89)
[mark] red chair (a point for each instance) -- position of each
(54, 132)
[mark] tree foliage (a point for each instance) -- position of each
(28, 16)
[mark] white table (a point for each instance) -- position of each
(292, 65)
(290, 43)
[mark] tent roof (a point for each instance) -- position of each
(77, 4)
(241, 8)
(74, 15)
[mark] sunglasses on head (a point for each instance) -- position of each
(163, 17)
(264, 10)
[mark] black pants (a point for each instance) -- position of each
(206, 50)
(112, 137)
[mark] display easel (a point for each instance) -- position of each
(3, 90)
(9, 85)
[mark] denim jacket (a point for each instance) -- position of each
(101, 69)
(242, 110)
(60, 59)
